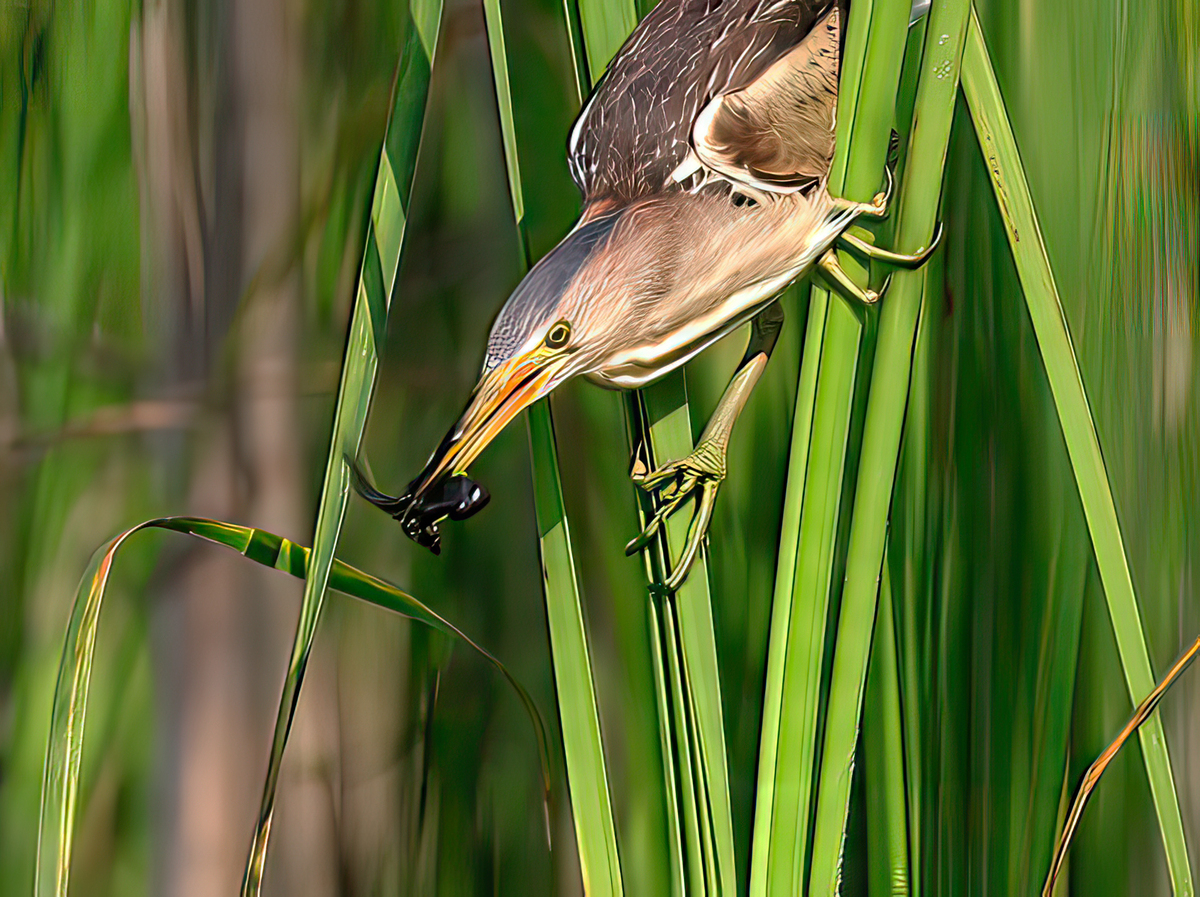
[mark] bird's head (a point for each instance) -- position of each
(545, 334)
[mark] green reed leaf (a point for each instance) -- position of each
(64, 749)
(583, 746)
(917, 199)
(867, 89)
(659, 419)
(888, 822)
(1003, 163)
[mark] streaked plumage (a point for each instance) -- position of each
(636, 128)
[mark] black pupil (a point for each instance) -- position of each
(558, 335)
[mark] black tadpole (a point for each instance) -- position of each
(457, 497)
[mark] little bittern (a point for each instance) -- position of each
(702, 157)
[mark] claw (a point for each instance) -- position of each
(639, 465)
(699, 475)
(883, 198)
(696, 536)
(660, 517)
(878, 206)
(830, 272)
(650, 481)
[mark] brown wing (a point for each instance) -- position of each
(776, 134)
(636, 128)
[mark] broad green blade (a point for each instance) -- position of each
(867, 88)
(587, 776)
(660, 419)
(887, 817)
(64, 749)
(917, 199)
(1004, 166)
(912, 523)
(377, 277)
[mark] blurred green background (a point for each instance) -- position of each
(183, 194)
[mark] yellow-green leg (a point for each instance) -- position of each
(831, 274)
(699, 475)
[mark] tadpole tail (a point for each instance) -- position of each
(364, 487)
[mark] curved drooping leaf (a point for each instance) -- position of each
(60, 777)
(1091, 778)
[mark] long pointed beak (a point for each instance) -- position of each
(442, 489)
(500, 396)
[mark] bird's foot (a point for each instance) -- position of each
(830, 272)
(878, 206)
(887, 257)
(699, 475)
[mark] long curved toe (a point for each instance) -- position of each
(698, 477)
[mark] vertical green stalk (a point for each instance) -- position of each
(888, 820)
(678, 778)
(913, 605)
(587, 776)
(909, 539)
(660, 420)
(785, 575)
(668, 430)
(673, 794)
(595, 33)
(1004, 166)
(867, 88)
(680, 725)
(933, 113)
(604, 28)
(381, 261)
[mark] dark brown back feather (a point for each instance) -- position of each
(636, 127)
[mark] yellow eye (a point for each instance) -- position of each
(558, 335)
